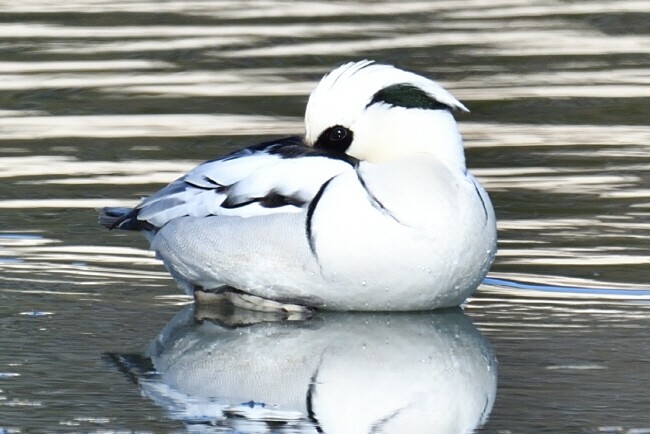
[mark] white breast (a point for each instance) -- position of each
(415, 231)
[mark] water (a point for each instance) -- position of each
(103, 102)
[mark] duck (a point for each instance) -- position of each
(372, 209)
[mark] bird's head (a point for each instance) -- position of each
(379, 113)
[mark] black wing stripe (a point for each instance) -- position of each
(374, 201)
(213, 182)
(478, 193)
(130, 222)
(232, 203)
(180, 191)
(309, 404)
(272, 199)
(275, 200)
(310, 216)
(212, 186)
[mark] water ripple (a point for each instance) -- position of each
(167, 125)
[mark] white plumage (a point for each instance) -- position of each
(375, 210)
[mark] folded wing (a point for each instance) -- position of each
(280, 176)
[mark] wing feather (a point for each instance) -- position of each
(273, 177)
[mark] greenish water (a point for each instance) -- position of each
(104, 102)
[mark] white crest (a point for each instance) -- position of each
(343, 98)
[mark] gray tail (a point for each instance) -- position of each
(122, 218)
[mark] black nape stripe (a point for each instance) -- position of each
(408, 96)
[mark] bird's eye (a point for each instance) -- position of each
(336, 138)
(338, 133)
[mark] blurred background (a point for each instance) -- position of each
(103, 102)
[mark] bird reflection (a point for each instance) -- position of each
(221, 367)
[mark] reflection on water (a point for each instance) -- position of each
(102, 102)
(334, 373)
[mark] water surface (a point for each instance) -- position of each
(103, 102)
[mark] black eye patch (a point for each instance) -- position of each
(407, 96)
(336, 138)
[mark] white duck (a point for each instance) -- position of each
(374, 210)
